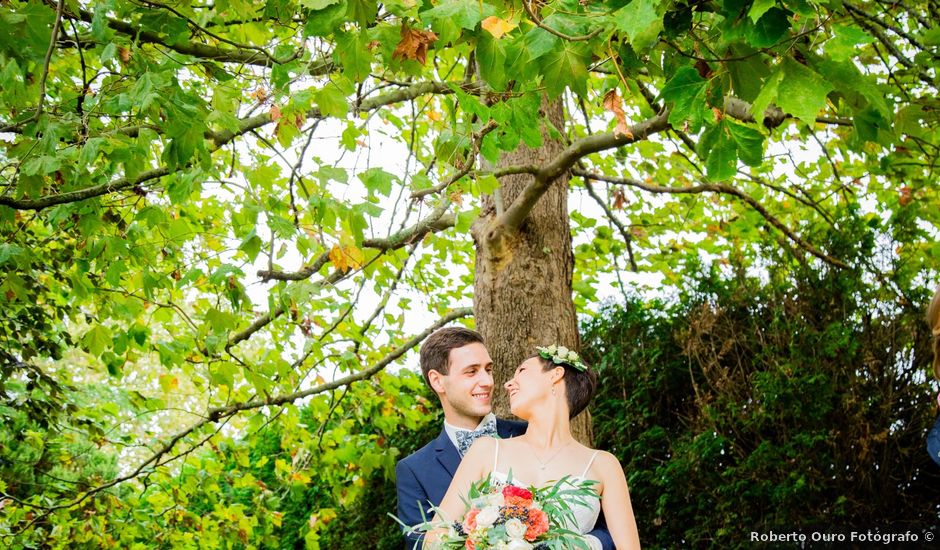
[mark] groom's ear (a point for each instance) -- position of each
(434, 379)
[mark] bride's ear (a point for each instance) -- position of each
(557, 374)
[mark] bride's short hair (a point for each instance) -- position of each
(580, 386)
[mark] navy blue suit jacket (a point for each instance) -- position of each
(423, 477)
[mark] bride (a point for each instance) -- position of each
(548, 390)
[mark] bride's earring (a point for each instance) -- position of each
(553, 389)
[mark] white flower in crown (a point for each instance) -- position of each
(562, 351)
(572, 356)
(515, 528)
(488, 516)
(552, 349)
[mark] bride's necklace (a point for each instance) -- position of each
(543, 464)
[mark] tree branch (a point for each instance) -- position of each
(722, 189)
(613, 219)
(477, 138)
(217, 414)
(538, 23)
(219, 139)
(512, 219)
(241, 54)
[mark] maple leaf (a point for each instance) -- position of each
(345, 258)
(275, 112)
(619, 199)
(125, 54)
(497, 26)
(614, 103)
(413, 44)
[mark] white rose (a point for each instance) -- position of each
(494, 499)
(488, 516)
(562, 351)
(518, 544)
(572, 356)
(515, 528)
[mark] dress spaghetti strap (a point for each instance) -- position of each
(588, 467)
(496, 456)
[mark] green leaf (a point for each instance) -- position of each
(685, 93)
(566, 66)
(378, 180)
(769, 29)
(796, 89)
(467, 15)
(352, 52)
(324, 22)
(641, 22)
(491, 59)
(844, 45)
(759, 8)
(487, 184)
(45, 164)
(362, 12)
(317, 4)
(802, 91)
(332, 101)
(539, 42)
(724, 143)
(96, 340)
(749, 143)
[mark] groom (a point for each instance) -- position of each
(457, 366)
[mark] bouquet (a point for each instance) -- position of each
(503, 516)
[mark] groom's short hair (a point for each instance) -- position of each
(435, 351)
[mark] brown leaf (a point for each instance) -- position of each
(497, 26)
(260, 95)
(703, 69)
(619, 199)
(275, 112)
(906, 196)
(614, 103)
(413, 44)
(125, 54)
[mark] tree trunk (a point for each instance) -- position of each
(522, 285)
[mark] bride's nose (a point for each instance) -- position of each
(508, 383)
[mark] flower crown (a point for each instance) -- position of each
(560, 355)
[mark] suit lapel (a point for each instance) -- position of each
(446, 453)
(507, 430)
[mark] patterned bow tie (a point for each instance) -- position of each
(465, 438)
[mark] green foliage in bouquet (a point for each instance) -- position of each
(506, 515)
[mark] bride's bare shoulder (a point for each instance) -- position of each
(606, 460)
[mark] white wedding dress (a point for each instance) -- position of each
(585, 515)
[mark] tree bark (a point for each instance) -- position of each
(522, 284)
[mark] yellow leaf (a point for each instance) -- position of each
(345, 258)
(497, 26)
(168, 383)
